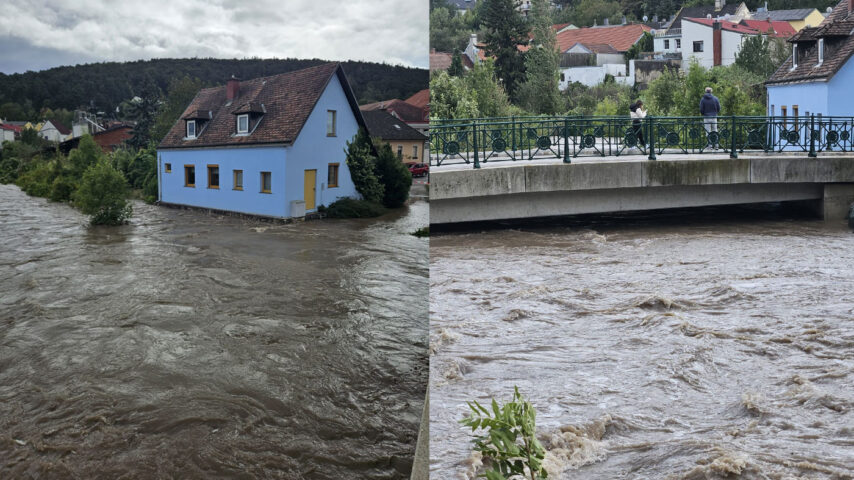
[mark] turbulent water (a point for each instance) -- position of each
(657, 347)
(187, 345)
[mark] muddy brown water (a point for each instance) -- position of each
(691, 345)
(187, 345)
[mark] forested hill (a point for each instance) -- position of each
(104, 86)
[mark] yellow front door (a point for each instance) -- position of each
(310, 182)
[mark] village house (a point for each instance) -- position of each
(669, 42)
(798, 18)
(54, 131)
(407, 142)
(417, 117)
(272, 146)
(589, 54)
(713, 42)
(817, 78)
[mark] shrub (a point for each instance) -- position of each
(394, 176)
(102, 194)
(61, 189)
(352, 208)
(37, 180)
(361, 163)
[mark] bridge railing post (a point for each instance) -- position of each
(474, 145)
(732, 152)
(812, 153)
(566, 140)
(650, 126)
(513, 136)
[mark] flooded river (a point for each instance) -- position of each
(187, 345)
(711, 344)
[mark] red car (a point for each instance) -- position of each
(418, 169)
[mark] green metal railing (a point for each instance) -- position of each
(476, 141)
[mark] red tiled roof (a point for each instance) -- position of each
(14, 128)
(288, 99)
(839, 49)
(620, 37)
(440, 61)
(420, 99)
(778, 29)
(405, 111)
(725, 25)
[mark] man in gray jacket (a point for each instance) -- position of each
(709, 109)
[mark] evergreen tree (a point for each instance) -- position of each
(505, 31)
(456, 68)
(541, 91)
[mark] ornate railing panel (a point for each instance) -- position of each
(476, 141)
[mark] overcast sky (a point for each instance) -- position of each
(40, 34)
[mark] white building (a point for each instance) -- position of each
(712, 42)
(54, 131)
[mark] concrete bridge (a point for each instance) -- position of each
(541, 188)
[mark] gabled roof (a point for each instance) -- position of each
(784, 15)
(420, 99)
(58, 126)
(440, 60)
(839, 48)
(405, 111)
(725, 25)
(701, 12)
(286, 101)
(778, 29)
(388, 127)
(12, 128)
(620, 37)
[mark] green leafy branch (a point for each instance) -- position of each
(509, 440)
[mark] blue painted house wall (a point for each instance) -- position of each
(827, 98)
(840, 100)
(312, 149)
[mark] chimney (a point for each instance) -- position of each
(624, 19)
(605, 22)
(719, 4)
(716, 42)
(232, 88)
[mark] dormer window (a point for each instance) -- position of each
(243, 124)
(794, 55)
(191, 129)
(820, 51)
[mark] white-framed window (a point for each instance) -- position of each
(820, 51)
(794, 55)
(191, 129)
(243, 123)
(330, 122)
(667, 44)
(678, 43)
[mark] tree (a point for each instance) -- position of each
(757, 56)
(84, 156)
(450, 97)
(489, 97)
(361, 163)
(181, 93)
(588, 12)
(102, 195)
(394, 176)
(505, 32)
(645, 44)
(456, 68)
(448, 31)
(540, 93)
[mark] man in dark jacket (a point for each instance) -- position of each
(709, 109)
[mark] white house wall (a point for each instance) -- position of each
(693, 32)
(591, 76)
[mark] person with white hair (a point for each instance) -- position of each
(710, 106)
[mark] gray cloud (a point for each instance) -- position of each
(41, 34)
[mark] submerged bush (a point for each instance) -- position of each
(102, 195)
(352, 208)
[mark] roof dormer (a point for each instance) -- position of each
(247, 117)
(195, 122)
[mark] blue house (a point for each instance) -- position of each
(818, 77)
(271, 146)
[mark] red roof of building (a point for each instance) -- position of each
(620, 37)
(14, 128)
(405, 111)
(777, 28)
(420, 99)
(439, 60)
(725, 25)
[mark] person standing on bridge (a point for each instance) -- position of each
(638, 114)
(709, 109)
